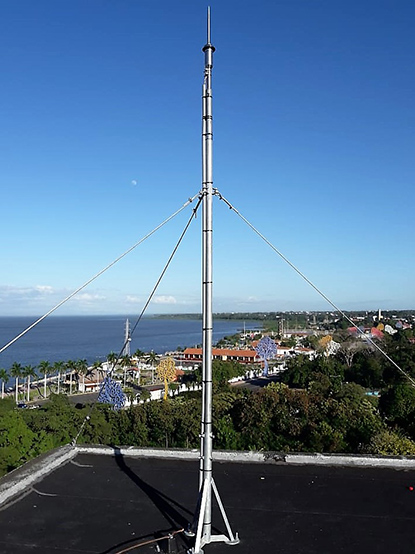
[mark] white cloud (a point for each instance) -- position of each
(24, 292)
(134, 299)
(46, 289)
(87, 297)
(38, 299)
(163, 299)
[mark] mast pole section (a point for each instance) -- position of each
(207, 232)
(201, 528)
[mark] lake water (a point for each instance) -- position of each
(61, 338)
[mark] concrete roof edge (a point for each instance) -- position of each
(22, 478)
(172, 453)
(355, 460)
(140, 452)
(359, 460)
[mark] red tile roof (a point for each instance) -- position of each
(223, 352)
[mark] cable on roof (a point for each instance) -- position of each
(189, 201)
(307, 280)
(151, 541)
(109, 373)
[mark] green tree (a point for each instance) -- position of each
(152, 359)
(28, 371)
(101, 426)
(226, 435)
(301, 371)
(97, 368)
(187, 422)
(139, 354)
(310, 341)
(289, 343)
(391, 443)
(112, 359)
(397, 405)
(57, 418)
(18, 443)
(145, 395)
(160, 421)
(59, 367)
(355, 415)
(125, 363)
(4, 377)
(45, 369)
(366, 370)
(224, 371)
(264, 421)
(16, 371)
(402, 352)
(81, 368)
(71, 366)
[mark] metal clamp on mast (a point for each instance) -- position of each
(202, 524)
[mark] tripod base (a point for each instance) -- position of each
(207, 538)
(214, 538)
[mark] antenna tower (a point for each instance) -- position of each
(202, 526)
(126, 351)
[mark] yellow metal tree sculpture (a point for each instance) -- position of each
(166, 371)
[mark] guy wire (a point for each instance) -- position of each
(97, 275)
(194, 211)
(109, 373)
(301, 274)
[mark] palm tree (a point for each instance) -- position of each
(28, 372)
(4, 377)
(59, 367)
(125, 362)
(70, 364)
(112, 358)
(16, 371)
(45, 369)
(139, 355)
(97, 367)
(130, 394)
(82, 369)
(152, 359)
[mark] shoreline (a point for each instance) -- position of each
(64, 338)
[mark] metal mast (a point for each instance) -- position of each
(126, 351)
(202, 525)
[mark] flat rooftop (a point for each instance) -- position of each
(106, 504)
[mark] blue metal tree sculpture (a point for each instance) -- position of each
(111, 393)
(266, 349)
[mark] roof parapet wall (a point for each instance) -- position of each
(22, 479)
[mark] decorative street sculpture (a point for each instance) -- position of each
(266, 349)
(166, 371)
(111, 393)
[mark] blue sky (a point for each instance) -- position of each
(314, 131)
